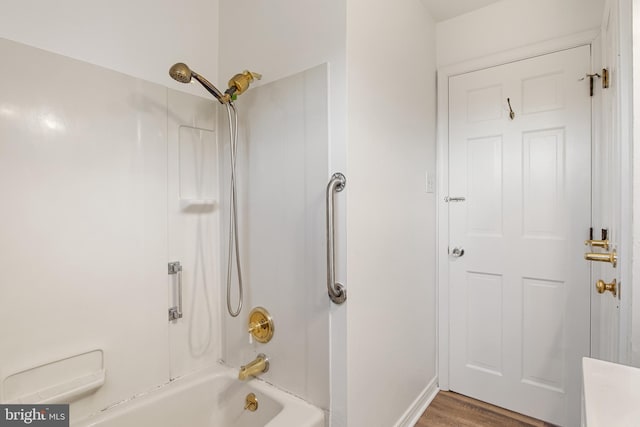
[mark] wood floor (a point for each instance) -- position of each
(450, 409)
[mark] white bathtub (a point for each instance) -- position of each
(212, 398)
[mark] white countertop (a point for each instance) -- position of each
(611, 394)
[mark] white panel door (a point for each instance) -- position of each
(519, 314)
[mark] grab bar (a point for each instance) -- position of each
(337, 291)
(175, 312)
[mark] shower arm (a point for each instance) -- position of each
(222, 98)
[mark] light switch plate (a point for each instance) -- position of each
(431, 182)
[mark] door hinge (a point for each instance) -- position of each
(604, 76)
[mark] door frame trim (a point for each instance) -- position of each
(442, 164)
(627, 186)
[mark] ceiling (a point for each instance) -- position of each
(442, 10)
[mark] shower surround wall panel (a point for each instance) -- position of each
(194, 231)
(84, 225)
(282, 169)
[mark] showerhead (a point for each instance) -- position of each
(182, 73)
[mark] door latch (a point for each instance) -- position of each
(454, 199)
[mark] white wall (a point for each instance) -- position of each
(140, 38)
(635, 332)
(280, 38)
(390, 219)
(283, 37)
(511, 24)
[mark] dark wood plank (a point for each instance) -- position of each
(450, 409)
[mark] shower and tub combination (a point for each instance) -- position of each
(220, 396)
(158, 185)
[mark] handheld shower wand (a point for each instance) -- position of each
(237, 85)
(180, 72)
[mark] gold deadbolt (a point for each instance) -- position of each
(261, 325)
(604, 244)
(603, 287)
(251, 402)
(602, 257)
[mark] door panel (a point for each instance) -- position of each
(519, 318)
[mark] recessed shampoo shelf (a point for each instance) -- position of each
(61, 381)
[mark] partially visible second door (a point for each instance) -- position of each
(519, 286)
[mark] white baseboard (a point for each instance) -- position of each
(417, 408)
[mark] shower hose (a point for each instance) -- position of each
(234, 247)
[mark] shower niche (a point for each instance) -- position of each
(197, 168)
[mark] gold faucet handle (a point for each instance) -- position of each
(261, 325)
(255, 327)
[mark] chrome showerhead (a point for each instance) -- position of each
(180, 72)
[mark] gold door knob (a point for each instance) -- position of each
(612, 287)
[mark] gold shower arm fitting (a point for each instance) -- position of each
(240, 82)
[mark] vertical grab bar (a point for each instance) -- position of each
(337, 291)
(175, 312)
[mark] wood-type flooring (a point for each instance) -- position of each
(450, 409)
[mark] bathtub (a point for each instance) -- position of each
(212, 398)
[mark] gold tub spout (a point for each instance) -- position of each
(259, 365)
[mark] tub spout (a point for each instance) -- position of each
(258, 365)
